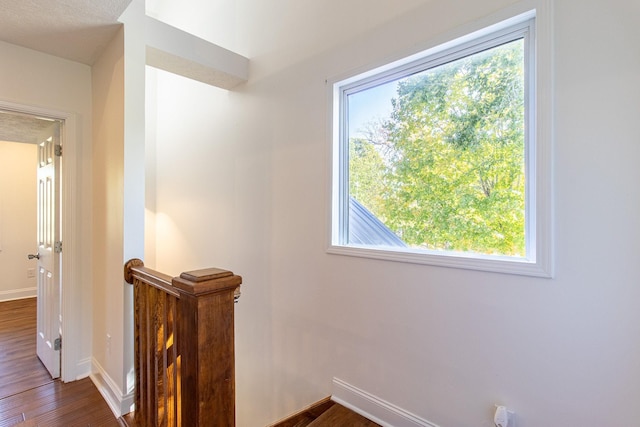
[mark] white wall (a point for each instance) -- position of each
(108, 223)
(36, 80)
(18, 219)
(241, 181)
(118, 199)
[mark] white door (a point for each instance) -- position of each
(48, 276)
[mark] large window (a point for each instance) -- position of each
(435, 156)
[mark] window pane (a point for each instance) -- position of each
(437, 158)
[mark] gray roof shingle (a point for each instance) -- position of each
(366, 229)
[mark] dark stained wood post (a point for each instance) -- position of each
(184, 345)
(206, 346)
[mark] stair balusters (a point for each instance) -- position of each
(184, 346)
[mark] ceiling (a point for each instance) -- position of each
(16, 127)
(78, 30)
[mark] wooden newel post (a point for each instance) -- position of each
(206, 346)
(184, 345)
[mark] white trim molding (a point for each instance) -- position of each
(374, 408)
(13, 294)
(119, 403)
(83, 368)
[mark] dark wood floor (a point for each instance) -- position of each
(325, 413)
(19, 368)
(339, 416)
(28, 395)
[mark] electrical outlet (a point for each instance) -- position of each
(31, 273)
(506, 417)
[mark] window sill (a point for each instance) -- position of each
(466, 261)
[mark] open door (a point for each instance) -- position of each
(49, 336)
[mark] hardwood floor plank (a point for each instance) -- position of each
(28, 395)
(12, 421)
(305, 416)
(20, 368)
(325, 413)
(80, 405)
(339, 416)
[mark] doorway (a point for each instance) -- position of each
(22, 131)
(20, 123)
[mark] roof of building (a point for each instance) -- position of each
(366, 229)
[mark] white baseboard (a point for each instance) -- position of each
(14, 294)
(78, 369)
(119, 403)
(374, 408)
(83, 368)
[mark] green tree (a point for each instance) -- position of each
(453, 174)
(367, 173)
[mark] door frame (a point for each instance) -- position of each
(72, 367)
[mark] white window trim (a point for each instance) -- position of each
(539, 126)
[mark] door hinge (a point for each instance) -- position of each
(57, 247)
(58, 150)
(57, 343)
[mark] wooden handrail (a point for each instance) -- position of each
(184, 346)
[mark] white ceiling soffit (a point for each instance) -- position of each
(78, 30)
(176, 51)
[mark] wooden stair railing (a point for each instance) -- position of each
(184, 346)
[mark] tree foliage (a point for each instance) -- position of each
(367, 176)
(446, 170)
